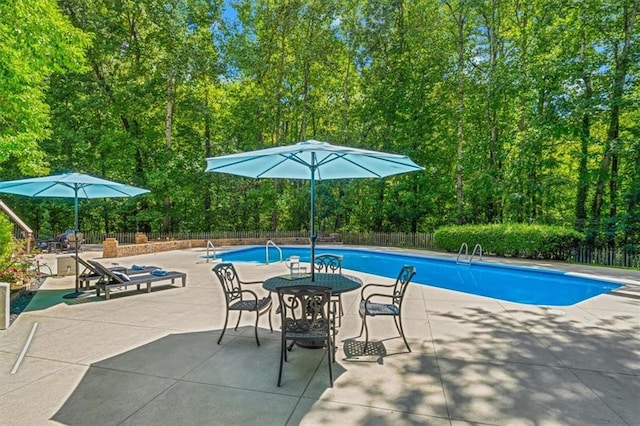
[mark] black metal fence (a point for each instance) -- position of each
(383, 239)
(618, 257)
(389, 239)
(605, 256)
(129, 237)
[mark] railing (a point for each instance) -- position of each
(23, 231)
(606, 256)
(266, 249)
(212, 247)
(584, 255)
(464, 247)
(421, 240)
(477, 247)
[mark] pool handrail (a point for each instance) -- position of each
(466, 253)
(468, 259)
(210, 246)
(479, 247)
(266, 249)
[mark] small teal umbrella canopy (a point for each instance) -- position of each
(70, 185)
(312, 160)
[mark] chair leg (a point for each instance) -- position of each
(395, 321)
(224, 328)
(256, 326)
(339, 309)
(366, 331)
(362, 326)
(238, 323)
(333, 336)
(329, 360)
(402, 332)
(283, 355)
(270, 326)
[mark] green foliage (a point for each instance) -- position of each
(7, 245)
(36, 41)
(45, 226)
(515, 240)
(519, 103)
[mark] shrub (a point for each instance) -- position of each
(7, 245)
(516, 240)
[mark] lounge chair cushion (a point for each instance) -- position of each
(122, 276)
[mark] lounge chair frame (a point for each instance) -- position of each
(90, 273)
(111, 280)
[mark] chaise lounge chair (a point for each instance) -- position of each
(90, 273)
(115, 279)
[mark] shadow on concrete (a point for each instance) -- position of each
(163, 382)
(46, 298)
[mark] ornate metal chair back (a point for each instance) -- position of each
(305, 310)
(229, 280)
(404, 278)
(328, 263)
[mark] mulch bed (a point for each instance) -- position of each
(20, 304)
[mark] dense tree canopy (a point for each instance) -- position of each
(522, 112)
(36, 41)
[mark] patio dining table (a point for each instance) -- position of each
(338, 283)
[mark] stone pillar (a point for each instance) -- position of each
(141, 238)
(5, 305)
(110, 248)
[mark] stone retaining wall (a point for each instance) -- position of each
(111, 248)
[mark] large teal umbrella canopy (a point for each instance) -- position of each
(313, 160)
(70, 185)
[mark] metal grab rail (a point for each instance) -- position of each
(210, 246)
(468, 259)
(266, 249)
(466, 252)
(477, 246)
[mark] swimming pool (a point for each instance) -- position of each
(531, 286)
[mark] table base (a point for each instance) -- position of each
(309, 344)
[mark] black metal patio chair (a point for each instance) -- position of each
(388, 303)
(306, 317)
(239, 299)
(331, 264)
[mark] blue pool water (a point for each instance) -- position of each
(511, 283)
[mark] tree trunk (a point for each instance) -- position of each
(585, 136)
(610, 160)
(166, 220)
(207, 153)
(460, 83)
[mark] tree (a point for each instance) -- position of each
(36, 42)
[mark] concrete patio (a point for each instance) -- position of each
(152, 359)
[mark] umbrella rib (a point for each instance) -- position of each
(46, 189)
(293, 157)
(335, 157)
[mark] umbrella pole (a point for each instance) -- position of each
(75, 241)
(313, 219)
(77, 292)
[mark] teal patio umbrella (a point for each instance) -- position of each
(314, 161)
(70, 185)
